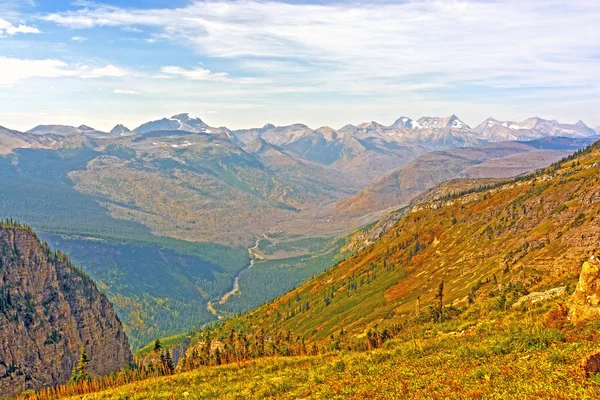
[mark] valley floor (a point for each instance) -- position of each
(510, 356)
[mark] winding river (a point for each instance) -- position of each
(236, 282)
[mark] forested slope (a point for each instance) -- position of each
(529, 233)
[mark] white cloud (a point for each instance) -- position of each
(8, 29)
(125, 91)
(107, 71)
(14, 70)
(78, 38)
(347, 61)
(200, 74)
(500, 44)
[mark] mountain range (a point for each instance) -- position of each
(366, 151)
(187, 200)
(168, 215)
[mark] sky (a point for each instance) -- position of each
(246, 63)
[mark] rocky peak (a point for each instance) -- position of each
(451, 122)
(48, 310)
(119, 130)
(178, 122)
(186, 117)
(402, 123)
(531, 122)
(371, 125)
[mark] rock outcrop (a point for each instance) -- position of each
(585, 301)
(591, 363)
(48, 310)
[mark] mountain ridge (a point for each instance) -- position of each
(49, 309)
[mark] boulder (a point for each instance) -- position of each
(584, 304)
(591, 363)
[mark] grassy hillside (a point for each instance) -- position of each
(514, 354)
(525, 235)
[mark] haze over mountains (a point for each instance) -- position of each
(368, 150)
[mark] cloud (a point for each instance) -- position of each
(8, 29)
(78, 39)
(107, 71)
(199, 74)
(15, 70)
(125, 91)
(350, 47)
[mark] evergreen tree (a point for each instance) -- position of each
(80, 371)
(440, 306)
(167, 362)
(157, 345)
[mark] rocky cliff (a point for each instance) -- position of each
(48, 310)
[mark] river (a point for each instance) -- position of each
(236, 282)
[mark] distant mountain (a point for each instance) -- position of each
(402, 123)
(59, 137)
(532, 128)
(451, 122)
(364, 150)
(10, 140)
(48, 310)
(63, 130)
(179, 122)
(120, 130)
(434, 133)
(368, 150)
(316, 180)
(498, 160)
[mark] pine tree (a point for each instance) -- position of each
(80, 371)
(167, 362)
(440, 306)
(157, 345)
(217, 356)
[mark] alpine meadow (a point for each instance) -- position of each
(196, 201)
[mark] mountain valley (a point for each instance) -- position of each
(186, 200)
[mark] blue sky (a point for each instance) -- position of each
(246, 63)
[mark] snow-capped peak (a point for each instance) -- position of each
(402, 123)
(451, 122)
(181, 122)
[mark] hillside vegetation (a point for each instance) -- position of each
(489, 354)
(430, 310)
(531, 233)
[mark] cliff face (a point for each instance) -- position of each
(48, 309)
